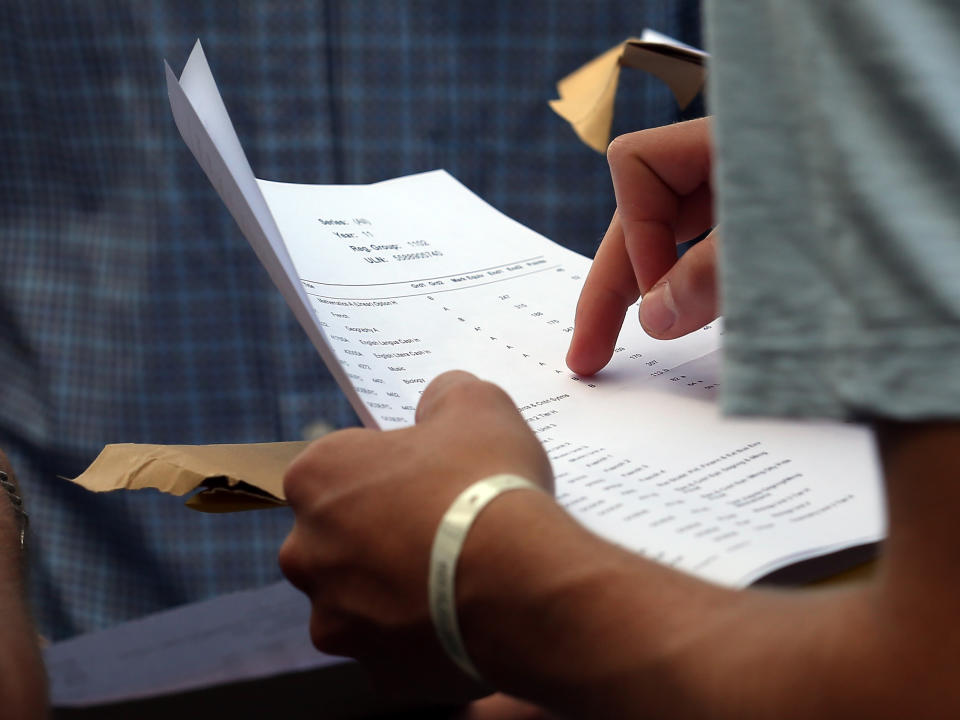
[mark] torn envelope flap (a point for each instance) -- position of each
(255, 469)
(682, 70)
(587, 95)
(221, 495)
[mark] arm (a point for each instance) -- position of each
(555, 615)
(753, 653)
(594, 631)
(22, 679)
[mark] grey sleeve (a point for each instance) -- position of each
(837, 137)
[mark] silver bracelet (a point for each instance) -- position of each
(447, 544)
(16, 503)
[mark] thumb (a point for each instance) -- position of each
(440, 387)
(685, 299)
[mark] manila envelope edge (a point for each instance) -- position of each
(683, 74)
(587, 95)
(180, 469)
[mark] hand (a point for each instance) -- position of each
(10, 551)
(367, 505)
(22, 681)
(661, 179)
(502, 707)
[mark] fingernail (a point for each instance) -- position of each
(658, 311)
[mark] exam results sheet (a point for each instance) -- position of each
(414, 276)
(399, 281)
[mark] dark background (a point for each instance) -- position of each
(131, 308)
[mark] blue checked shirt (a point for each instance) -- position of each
(131, 308)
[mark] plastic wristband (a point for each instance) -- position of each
(446, 551)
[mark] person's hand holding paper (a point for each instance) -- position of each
(367, 588)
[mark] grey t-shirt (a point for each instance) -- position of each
(837, 140)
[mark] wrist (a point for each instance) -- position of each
(518, 575)
(445, 554)
(551, 613)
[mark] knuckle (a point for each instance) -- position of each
(300, 473)
(288, 558)
(475, 394)
(348, 435)
(443, 382)
(618, 149)
(296, 575)
(323, 460)
(344, 447)
(294, 565)
(702, 275)
(628, 146)
(496, 396)
(298, 483)
(329, 634)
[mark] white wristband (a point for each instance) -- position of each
(447, 544)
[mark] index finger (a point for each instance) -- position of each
(653, 172)
(610, 288)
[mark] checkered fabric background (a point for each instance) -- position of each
(131, 308)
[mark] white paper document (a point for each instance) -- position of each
(399, 281)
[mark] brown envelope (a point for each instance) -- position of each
(587, 95)
(230, 477)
